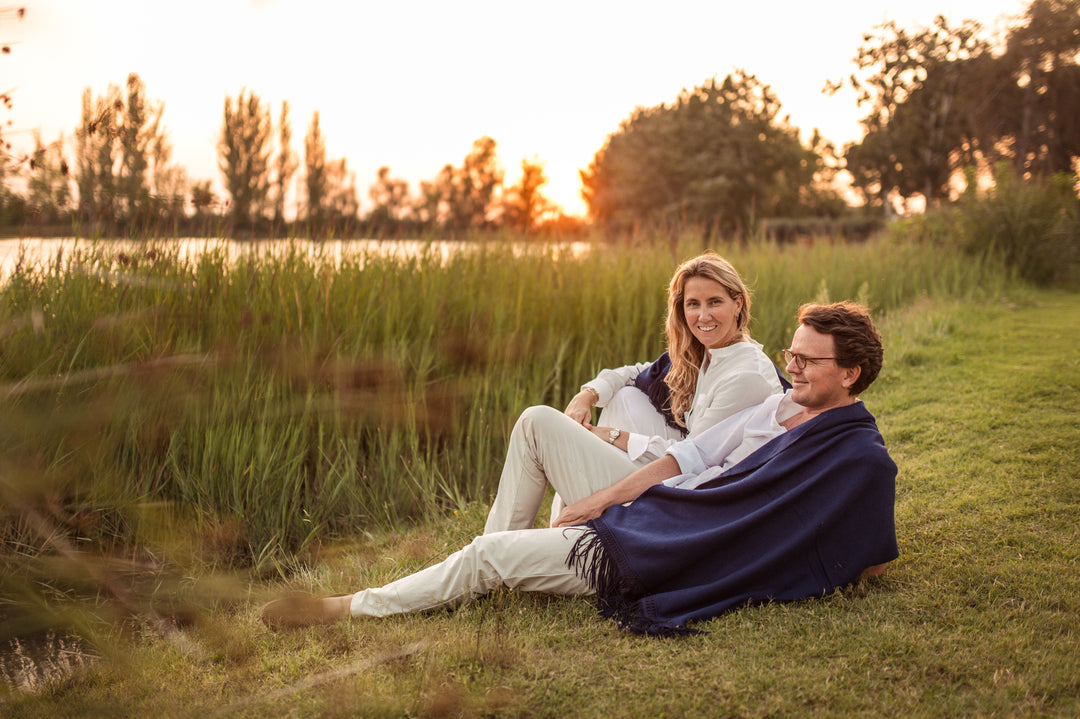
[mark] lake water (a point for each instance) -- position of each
(41, 251)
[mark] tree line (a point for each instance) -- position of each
(947, 107)
(944, 99)
(127, 182)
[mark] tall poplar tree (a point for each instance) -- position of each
(98, 157)
(315, 176)
(244, 157)
(284, 164)
(122, 155)
(525, 204)
(134, 129)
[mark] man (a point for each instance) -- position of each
(786, 500)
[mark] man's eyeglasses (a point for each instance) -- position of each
(801, 360)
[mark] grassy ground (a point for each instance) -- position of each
(979, 406)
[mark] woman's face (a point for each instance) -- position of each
(710, 312)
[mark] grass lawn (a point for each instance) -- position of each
(979, 406)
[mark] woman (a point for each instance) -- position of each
(715, 370)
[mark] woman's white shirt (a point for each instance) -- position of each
(731, 379)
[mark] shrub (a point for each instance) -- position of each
(1033, 226)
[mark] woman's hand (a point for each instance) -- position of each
(580, 407)
(603, 433)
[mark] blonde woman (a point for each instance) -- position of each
(715, 370)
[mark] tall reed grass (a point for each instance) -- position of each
(267, 403)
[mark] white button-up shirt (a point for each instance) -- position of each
(728, 442)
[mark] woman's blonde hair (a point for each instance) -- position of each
(685, 350)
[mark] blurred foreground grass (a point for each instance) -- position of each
(979, 405)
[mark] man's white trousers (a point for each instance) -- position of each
(546, 447)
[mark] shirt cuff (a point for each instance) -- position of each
(687, 455)
(636, 444)
(600, 389)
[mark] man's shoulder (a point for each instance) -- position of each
(856, 434)
(853, 413)
(852, 426)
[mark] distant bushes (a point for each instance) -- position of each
(1032, 226)
(852, 228)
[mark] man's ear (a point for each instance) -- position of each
(851, 376)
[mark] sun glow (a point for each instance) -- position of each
(411, 86)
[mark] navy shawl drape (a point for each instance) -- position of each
(804, 514)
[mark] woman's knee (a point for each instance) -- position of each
(539, 413)
(630, 409)
(481, 561)
(630, 399)
(540, 420)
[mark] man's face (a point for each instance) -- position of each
(822, 384)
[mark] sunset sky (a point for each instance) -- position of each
(411, 84)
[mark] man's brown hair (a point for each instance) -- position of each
(857, 340)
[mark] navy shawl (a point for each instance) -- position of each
(651, 382)
(804, 514)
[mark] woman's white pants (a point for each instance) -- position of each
(630, 410)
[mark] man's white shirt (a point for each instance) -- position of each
(729, 441)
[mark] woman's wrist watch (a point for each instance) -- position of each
(613, 435)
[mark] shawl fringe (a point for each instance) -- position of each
(652, 628)
(591, 562)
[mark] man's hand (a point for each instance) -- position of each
(580, 407)
(580, 512)
(625, 490)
